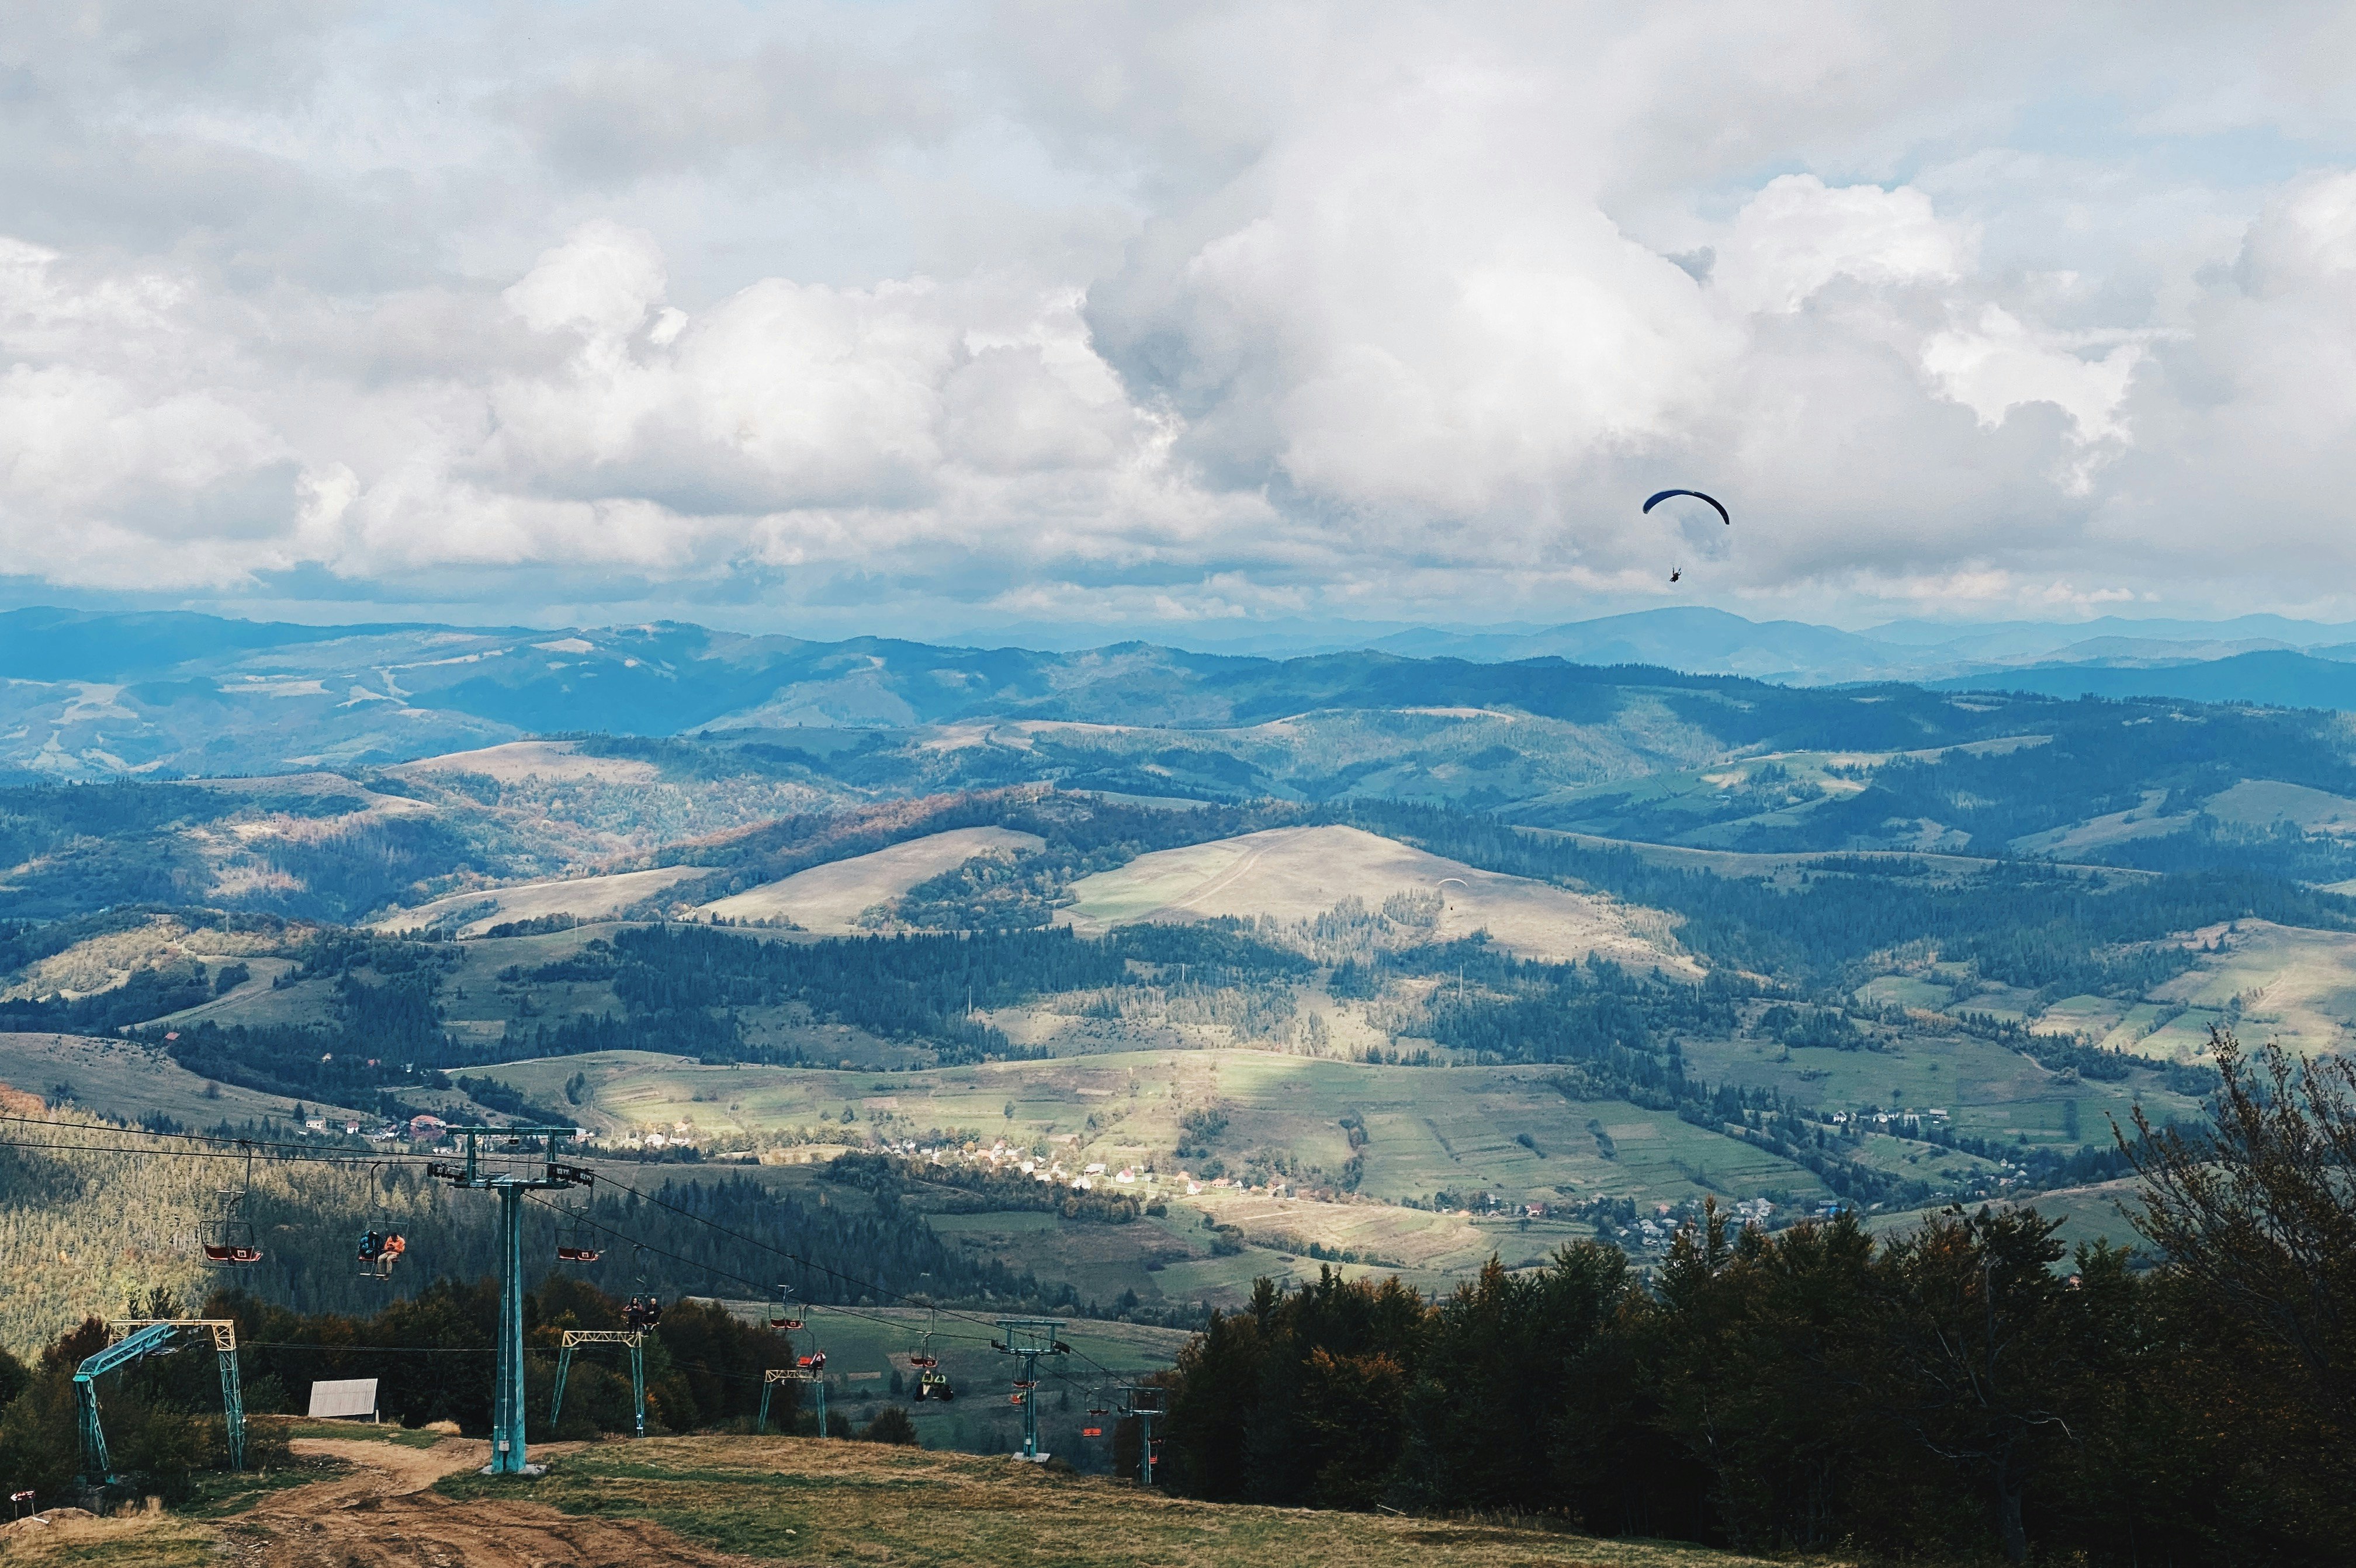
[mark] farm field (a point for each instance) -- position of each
(1987, 1091)
(2285, 983)
(2088, 1215)
(1430, 1129)
(1168, 1260)
(1292, 874)
(830, 899)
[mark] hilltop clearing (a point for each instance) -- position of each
(720, 1501)
(1298, 874)
(830, 899)
(135, 1080)
(580, 898)
(550, 762)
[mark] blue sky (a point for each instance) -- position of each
(931, 318)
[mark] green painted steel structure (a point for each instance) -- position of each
(1031, 1338)
(508, 1451)
(1143, 1400)
(775, 1375)
(146, 1336)
(636, 1341)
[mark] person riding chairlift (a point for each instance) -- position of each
(380, 1250)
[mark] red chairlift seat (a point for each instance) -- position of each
(216, 1252)
(577, 1254)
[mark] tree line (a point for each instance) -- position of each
(1955, 1390)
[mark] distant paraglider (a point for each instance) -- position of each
(1677, 574)
(1716, 505)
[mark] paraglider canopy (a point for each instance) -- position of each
(1697, 496)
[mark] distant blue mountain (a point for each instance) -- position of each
(2276, 679)
(90, 694)
(42, 644)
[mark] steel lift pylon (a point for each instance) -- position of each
(635, 1338)
(508, 1454)
(147, 1336)
(1031, 1338)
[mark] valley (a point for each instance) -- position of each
(1151, 978)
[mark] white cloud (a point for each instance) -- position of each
(1181, 312)
(1998, 363)
(1797, 235)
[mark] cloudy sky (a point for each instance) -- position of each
(930, 317)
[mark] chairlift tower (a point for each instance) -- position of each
(507, 1391)
(147, 1336)
(1143, 1400)
(1031, 1338)
(635, 1338)
(775, 1375)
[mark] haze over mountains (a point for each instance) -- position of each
(90, 694)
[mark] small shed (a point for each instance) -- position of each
(347, 1399)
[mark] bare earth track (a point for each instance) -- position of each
(385, 1512)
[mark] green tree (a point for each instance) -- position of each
(1982, 1344)
(2259, 1214)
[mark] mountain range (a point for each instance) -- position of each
(90, 694)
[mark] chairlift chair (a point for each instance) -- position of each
(922, 1358)
(645, 1310)
(575, 1243)
(381, 1246)
(935, 1385)
(230, 1239)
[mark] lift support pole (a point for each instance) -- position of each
(148, 1335)
(506, 1392)
(1031, 1338)
(775, 1375)
(1143, 1400)
(636, 1340)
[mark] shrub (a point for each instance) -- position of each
(892, 1424)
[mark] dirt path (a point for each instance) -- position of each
(383, 1514)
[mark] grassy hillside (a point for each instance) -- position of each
(800, 1500)
(715, 1500)
(831, 898)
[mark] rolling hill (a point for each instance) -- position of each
(1297, 874)
(831, 898)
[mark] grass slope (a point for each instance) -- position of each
(1298, 873)
(584, 897)
(803, 1500)
(831, 898)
